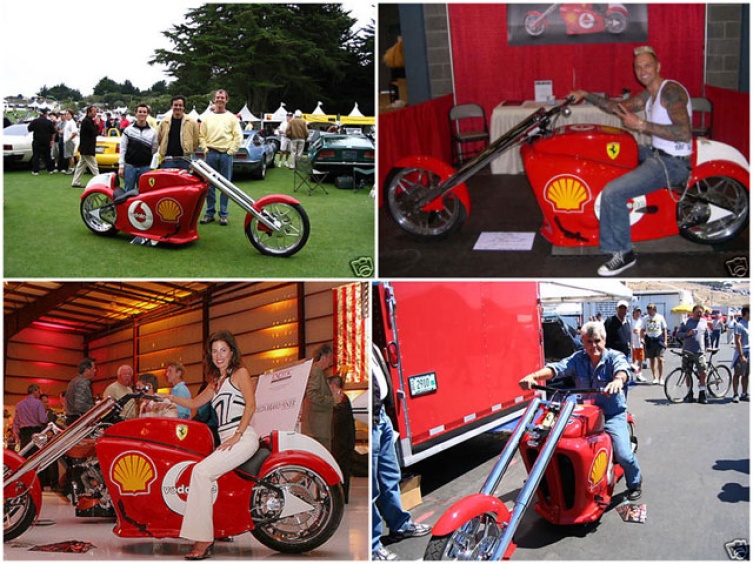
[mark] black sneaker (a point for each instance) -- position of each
(206, 219)
(382, 553)
(702, 397)
(635, 493)
(689, 398)
(619, 262)
(744, 397)
(412, 529)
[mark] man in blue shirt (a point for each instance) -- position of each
(174, 375)
(741, 358)
(693, 335)
(596, 366)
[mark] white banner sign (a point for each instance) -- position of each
(279, 396)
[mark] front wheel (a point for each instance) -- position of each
(404, 188)
(616, 22)
(713, 210)
(99, 213)
(315, 518)
(534, 24)
(678, 385)
(475, 540)
(18, 512)
(289, 239)
(719, 381)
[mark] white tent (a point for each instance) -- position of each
(246, 114)
(318, 111)
(193, 114)
(207, 111)
(278, 115)
(355, 112)
(584, 291)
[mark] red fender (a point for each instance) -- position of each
(13, 460)
(720, 168)
(444, 171)
(271, 199)
(469, 507)
(300, 458)
(108, 190)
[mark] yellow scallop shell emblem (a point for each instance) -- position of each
(598, 468)
(567, 193)
(169, 210)
(133, 473)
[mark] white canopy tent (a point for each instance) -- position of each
(246, 114)
(584, 291)
(355, 112)
(318, 111)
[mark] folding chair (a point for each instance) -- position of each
(469, 131)
(703, 112)
(362, 177)
(306, 175)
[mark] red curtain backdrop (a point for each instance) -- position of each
(488, 71)
(731, 122)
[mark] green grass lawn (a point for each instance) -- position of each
(44, 236)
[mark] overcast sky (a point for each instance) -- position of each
(46, 42)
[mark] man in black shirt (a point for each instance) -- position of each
(87, 147)
(618, 330)
(178, 136)
(41, 144)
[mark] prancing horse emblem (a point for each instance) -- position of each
(613, 150)
(181, 431)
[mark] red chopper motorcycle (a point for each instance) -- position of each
(567, 169)
(568, 456)
(289, 494)
(168, 205)
(580, 19)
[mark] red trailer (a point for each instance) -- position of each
(456, 351)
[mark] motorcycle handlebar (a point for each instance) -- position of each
(568, 391)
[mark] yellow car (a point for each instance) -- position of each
(108, 149)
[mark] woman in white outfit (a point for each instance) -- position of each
(232, 397)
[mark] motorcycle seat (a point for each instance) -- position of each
(250, 468)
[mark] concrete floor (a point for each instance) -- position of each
(58, 524)
(506, 203)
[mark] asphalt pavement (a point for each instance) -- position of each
(695, 461)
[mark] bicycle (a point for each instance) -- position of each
(679, 383)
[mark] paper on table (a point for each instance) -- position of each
(504, 241)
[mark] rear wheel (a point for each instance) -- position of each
(404, 188)
(534, 25)
(713, 210)
(616, 22)
(303, 529)
(475, 540)
(99, 213)
(677, 385)
(289, 239)
(719, 381)
(261, 172)
(18, 512)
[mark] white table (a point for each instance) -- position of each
(506, 117)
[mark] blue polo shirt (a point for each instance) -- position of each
(579, 367)
(180, 390)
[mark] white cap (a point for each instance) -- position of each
(622, 303)
(297, 113)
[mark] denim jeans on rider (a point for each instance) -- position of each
(132, 175)
(183, 164)
(614, 217)
(617, 428)
(385, 481)
(222, 163)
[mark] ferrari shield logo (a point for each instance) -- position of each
(151, 182)
(181, 431)
(613, 150)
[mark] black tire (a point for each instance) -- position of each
(475, 540)
(18, 515)
(633, 437)
(286, 242)
(616, 23)
(676, 385)
(534, 29)
(261, 172)
(403, 187)
(698, 213)
(719, 381)
(303, 531)
(99, 213)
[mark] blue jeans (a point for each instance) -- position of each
(385, 481)
(617, 428)
(614, 219)
(180, 163)
(131, 176)
(222, 163)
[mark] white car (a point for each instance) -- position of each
(17, 144)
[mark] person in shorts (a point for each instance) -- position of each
(693, 334)
(655, 327)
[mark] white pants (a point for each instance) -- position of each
(85, 161)
(296, 150)
(198, 522)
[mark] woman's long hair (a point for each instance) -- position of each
(213, 373)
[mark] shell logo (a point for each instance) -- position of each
(567, 193)
(598, 467)
(134, 473)
(169, 210)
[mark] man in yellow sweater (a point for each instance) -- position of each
(220, 137)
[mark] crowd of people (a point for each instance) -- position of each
(225, 402)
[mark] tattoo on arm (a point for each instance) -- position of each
(603, 104)
(675, 100)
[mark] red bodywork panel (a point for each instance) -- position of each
(443, 171)
(585, 453)
(477, 339)
(569, 169)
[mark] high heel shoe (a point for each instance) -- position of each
(196, 555)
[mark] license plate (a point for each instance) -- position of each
(100, 150)
(350, 155)
(422, 384)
